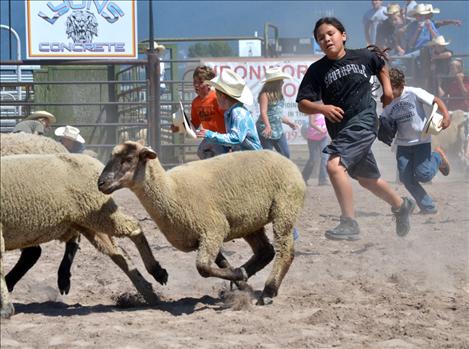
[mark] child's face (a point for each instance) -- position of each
(397, 90)
(201, 87)
(331, 41)
(455, 68)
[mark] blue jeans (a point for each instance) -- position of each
(418, 164)
(280, 144)
(315, 151)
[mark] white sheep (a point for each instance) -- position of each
(58, 198)
(26, 143)
(199, 205)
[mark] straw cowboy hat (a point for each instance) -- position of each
(233, 85)
(439, 40)
(158, 47)
(430, 9)
(41, 114)
(392, 9)
(70, 132)
(433, 124)
(274, 74)
(423, 9)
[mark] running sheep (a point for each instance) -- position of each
(199, 205)
(58, 200)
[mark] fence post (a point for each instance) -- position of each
(154, 115)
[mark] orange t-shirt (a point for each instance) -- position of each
(206, 111)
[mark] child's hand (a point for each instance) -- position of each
(267, 131)
(445, 123)
(332, 113)
(293, 126)
(200, 132)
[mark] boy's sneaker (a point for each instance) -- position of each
(432, 210)
(402, 215)
(444, 166)
(348, 229)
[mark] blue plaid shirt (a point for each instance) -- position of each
(241, 133)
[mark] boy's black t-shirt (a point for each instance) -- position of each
(344, 83)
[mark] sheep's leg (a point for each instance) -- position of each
(6, 307)
(64, 274)
(222, 262)
(208, 251)
(284, 254)
(105, 244)
(28, 258)
(263, 252)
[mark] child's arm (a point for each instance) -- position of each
(331, 112)
(442, 107)
(287, 121)
(383, 77)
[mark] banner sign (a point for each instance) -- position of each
(254, 71)
(84, 29)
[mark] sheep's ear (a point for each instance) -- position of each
(147, 153)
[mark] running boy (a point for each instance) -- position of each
(415, 160)
(341, 79)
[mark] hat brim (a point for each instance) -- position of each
(282, 76)
(433, 124)
(388, 14)
(432, 43)
(186, 122)
(59, 132)
(246, 95)
(41, 114)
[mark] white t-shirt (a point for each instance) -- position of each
(375, 17)
(410, 116)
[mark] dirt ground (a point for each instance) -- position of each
(382, 291)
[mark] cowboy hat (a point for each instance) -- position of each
(182, 122)
(439, 40)
(392, 9)
(433, 124)
(70, 132)
(233, 85)
(42, 114)
(430, 9)
(274, 74)
(420, 10)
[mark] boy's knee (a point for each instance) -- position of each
(424, 177)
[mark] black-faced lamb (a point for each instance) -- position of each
(199, 205)
(59, 199)
(26, 143)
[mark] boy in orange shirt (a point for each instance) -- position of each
(206, 112)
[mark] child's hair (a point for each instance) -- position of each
(397, 78)
(457, 62)
(382, 53)
(203, 73)
(273, 90)
(328, 20)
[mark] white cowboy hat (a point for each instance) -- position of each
(439, 40)
(233, 85)
(420, 9)
(182, 122)
(274, 74)
(433, 124)
(392, 9)
(69, 132)
(41, 114)
(430, 9)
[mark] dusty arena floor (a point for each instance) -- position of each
(380, 292)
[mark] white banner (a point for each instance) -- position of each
(85, 29)
(254, 71)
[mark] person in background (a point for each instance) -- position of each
(271, 105)
(71, 139)
(435, 58)
(455, 88)
(317, 140)
(405, 119)
(407, 11)
(36, 123)
(232, 94)
(372, 18)
(341, 79)
(388, 32)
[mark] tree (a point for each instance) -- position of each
(212, 49)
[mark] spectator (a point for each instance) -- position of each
(455, 87)
(71, 139)
(271, 105)
(388, 34)
(372, 18)
(318, 139)
(435, 59)
(421, 31)
(407, 11)
(36, 123)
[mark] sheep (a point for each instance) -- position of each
(452, 139)
(60, 198)
(26, 143)
(201, 204)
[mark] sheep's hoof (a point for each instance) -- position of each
(161, 275)
(64, 285)
(265, 301)
(7, 311)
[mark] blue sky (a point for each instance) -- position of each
(242, 18)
